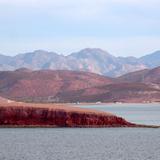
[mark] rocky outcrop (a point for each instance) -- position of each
(57, 116)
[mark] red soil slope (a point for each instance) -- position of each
(69, 86)
(46, 84)
(122, 92)
(49, 115)
(143, 76)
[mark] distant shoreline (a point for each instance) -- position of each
(85, 103)
(79, 126)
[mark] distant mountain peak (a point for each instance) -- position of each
(156, 52)
(151, 60)
(93, 60)
(39, 50)
(91, 52)
(43, 52)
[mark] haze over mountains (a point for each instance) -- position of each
(90, 59)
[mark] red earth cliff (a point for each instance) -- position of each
(25, 115)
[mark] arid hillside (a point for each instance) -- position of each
(46, 86)
(143, 76)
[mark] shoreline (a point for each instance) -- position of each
(79, 126)
(118, 103)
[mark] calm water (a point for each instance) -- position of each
(80, 144)
(138, 113)
(88, 144)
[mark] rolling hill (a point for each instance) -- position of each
(45, 85)
(143, 76)
(62, 86)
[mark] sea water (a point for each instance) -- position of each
(137, 113)
(80, 144)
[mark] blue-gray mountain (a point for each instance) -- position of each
(91, 60)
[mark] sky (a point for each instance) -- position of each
(121, 27)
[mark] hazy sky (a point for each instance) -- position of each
(122, 27)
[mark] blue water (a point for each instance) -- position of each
(137, 113)
(80, 144)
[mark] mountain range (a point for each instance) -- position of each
(78, 86)
(90, 59)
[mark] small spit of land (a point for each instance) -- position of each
(54, 115)
(17, 114)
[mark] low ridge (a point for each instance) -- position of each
(63, 86)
